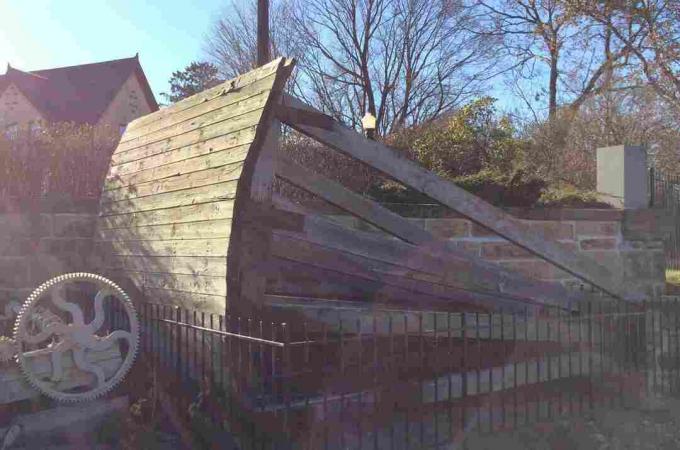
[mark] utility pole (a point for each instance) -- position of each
(263, 55)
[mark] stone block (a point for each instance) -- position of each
(14, 273)
(553, 230)
(14, 246)
(537, 269)
(73, 225)
(584, 228)
(448, 228)
(478, 230)
(643, 265)
(598, 244)
(471, 247)
(503, 250)
(24, 225)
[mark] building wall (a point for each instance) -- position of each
(36, 247)
(128, 104)
(16, 109)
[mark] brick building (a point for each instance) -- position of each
(110, 92)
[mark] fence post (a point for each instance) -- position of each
(621, 176)
(652, 187)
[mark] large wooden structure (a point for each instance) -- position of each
(188, 214)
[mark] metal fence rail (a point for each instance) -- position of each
(403, 379)
(665, 193)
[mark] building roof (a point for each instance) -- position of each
(77, 93)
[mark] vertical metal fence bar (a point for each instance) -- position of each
(375, 388)
(360, 399)
(421, 381)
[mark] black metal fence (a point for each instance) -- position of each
(382, 379)
(665, 193)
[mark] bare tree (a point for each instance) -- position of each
(232, 43)
(551, 40)
(404, 61)
(650, 31)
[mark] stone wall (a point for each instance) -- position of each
(36, 247)
(624, 241)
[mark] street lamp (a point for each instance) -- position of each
(369, 122)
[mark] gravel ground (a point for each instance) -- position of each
(654, 424)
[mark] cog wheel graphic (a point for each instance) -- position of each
(62, 355)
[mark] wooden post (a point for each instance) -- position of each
(263, 55)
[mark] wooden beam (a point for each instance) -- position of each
(353, 203)
(435, 257)
(303, 117)
(397, 166)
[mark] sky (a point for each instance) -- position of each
(168, 34)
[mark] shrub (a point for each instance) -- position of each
(514, 189)
(64, 160)
(570, 197)
(469, 140)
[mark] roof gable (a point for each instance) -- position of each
(78, 93)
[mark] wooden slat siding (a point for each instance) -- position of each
(188, 247)
(398, 226)
(474, 270)
(195, 213)
(191, 300)
(390, 162)
(235, 115)
(248, 249)
(238, 83)
(232, 157)
(164, 200)
(288, 248)
(230, 172)
(160, 154)
(248, 92)
(413, 261)
(177, 282)
(230, 142)
(167, 212)
(347, 200)
(183, 265)
(295, 279)
(234, 126)
(209, 229)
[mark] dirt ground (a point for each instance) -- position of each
(654, 424)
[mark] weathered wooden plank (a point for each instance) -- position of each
(396, 225)
(304, 117)
(355, 204)
(185, 197)
(184, 214)
(289, 248)
(189, 180)
(183, 265)
(305, 280)
(189, 247)
(242, 131)
(234, 113)
(392, 163)
(229, 87)
(192, 300)
(216, 286)
(434, 256)
(232, 157)
(208, 106)
(210, 229)
(165, 153)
